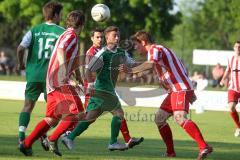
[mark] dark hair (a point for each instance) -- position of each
(238, 41)
(110, 29)
(142, 36)
(75, 19)
(96, 30)
(50, 9)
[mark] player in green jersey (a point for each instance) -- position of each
(106, 65)
(39, 41)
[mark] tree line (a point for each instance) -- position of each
(203, 24)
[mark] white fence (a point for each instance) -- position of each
(145, 97)
(211, 57)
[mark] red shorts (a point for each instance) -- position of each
(177, 101)
(63, 101)
(233, 96)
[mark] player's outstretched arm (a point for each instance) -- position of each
(147, 65)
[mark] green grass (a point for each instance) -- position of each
(12, 78)
(217, 129)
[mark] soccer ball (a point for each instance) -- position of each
(100, 12)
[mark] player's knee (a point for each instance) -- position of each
(232, 106)
(119, 113)
(179, 118)
(161, 118)
(28, 106)
(51, 121)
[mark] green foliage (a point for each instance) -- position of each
(130, 16)
(206, 24)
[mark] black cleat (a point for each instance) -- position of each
(53, 147)
(134, 141)
(25, 151)
(44, 142)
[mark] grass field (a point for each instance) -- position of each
(216, 126)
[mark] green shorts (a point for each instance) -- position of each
(104, 101)
(34, 89)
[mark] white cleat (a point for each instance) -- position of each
(117, 146)
(237, 132)
(67, 142)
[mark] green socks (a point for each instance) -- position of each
(24, 119)
(79, 129)
(115, 127)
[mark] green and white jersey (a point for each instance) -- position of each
(106, 64)
(40, 42)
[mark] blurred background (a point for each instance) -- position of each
(182, 25)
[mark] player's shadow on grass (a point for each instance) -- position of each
(96, 148)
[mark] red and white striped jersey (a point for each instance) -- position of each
(92, 50)
(234, 68)
(171, 71)
(90, 53)
(62, 65)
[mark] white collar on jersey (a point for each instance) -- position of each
(49, 23)
(113, 51)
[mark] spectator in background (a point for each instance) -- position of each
(7, 63)
(217, 74)
(3, 62)
(199, 81)
(202, 82)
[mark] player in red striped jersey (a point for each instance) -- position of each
(60, 93)
(173, 77)
(233, 70)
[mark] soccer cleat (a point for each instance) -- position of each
(237, 132)
(20, 140)
(68, 142)
(169, 154)
(53, 147)
(204, 153)
(67, 133)
(117, 146)
(44, 142)
(134, 141)
(25, 151)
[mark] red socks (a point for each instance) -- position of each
(124, 130)
(41, 128)
(191, 128)
(61, 128)
(235, 118)
(167, 137)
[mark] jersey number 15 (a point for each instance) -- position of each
(45, 49)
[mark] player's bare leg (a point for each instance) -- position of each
(235, 117)
(193, 131)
